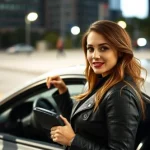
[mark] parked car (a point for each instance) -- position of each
(18, 127)
(20, 48)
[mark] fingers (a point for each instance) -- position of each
(55, 129)
(52, 80)
(65, 120)
(57, 82)
(54, 138)
(55, 132)
(55, 77)
(62, 134)
(48, 84)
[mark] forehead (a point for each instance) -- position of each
(95, 38)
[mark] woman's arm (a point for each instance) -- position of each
(62, 96)
(64, 103)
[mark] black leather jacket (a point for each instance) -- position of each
(112, 126)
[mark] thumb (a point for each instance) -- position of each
(64, 120)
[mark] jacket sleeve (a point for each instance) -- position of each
(122, 117)
(64, 103)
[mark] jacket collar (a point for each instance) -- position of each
(88, 104)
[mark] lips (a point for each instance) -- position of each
(97, 64)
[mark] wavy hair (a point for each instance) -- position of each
(119, 39)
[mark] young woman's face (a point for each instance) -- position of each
(100, 55)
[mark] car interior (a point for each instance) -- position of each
(17, 116)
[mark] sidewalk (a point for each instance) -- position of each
(41, 62)
(142, 54)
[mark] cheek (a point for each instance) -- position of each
(113, 60)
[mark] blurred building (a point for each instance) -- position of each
(148, 8)
(57, 15)
(114, 9)
(13, 13)
(61, 15)
(89, 11)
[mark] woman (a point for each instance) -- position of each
(107, 115)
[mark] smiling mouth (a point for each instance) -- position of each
(97, 64)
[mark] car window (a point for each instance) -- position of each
(16, 120)
(74, 89)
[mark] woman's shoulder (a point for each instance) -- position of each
(121, 95)
(126, 86)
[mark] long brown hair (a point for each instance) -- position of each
(119, 39)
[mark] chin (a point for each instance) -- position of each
(98, 72)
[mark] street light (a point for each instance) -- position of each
(122, 24)
(141, 42)
(75, 30)
(28, 19)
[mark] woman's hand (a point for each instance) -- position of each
(57, 82)
(62, 134)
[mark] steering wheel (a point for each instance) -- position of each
(32, 122)
(42, 103)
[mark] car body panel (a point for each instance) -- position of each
(69, 71)
(9, 142)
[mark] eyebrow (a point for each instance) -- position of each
(98, 44)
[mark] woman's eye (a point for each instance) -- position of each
(90, 49)
(104, 48)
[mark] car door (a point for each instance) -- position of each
(9, 142)
(15, 115)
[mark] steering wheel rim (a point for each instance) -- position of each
(42, 103)
(30, 121)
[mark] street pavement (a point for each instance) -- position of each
(42, 61)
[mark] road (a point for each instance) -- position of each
(12, 79)
(40, 62)
(15, 70)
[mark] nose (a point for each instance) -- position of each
(96, 54)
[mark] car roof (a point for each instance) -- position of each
(72, 70)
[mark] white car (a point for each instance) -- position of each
(20, 48)
(18, 128)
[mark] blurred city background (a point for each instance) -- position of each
(37, 36)
(68, 19)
